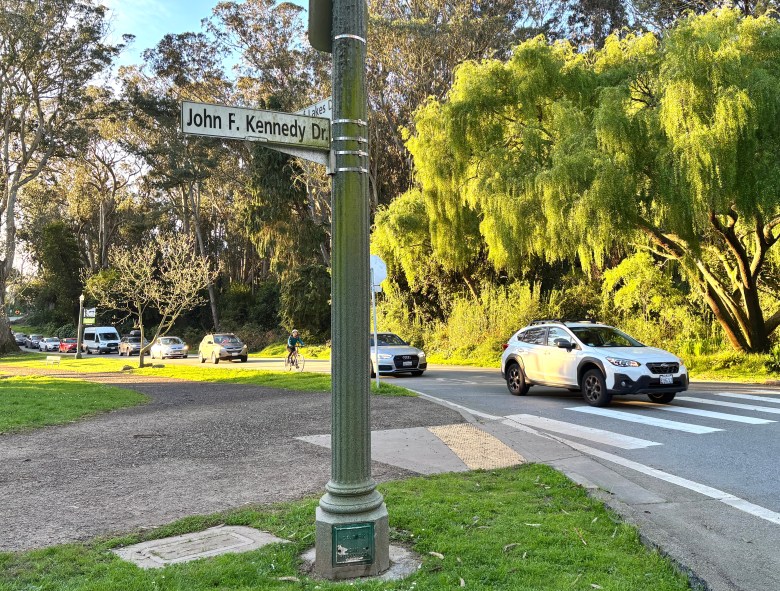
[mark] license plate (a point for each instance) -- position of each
(667, 379)
(407, 364)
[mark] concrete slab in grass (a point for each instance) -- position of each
(202, 544)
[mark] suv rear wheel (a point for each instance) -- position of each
(594, 388)
(515, 380)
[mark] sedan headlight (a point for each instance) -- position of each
(384, 356)
(186, 348)
(623, 362)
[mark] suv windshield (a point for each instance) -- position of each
(225, 339)
(387, 339)
(603, 336)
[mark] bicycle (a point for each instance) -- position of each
(295, 361)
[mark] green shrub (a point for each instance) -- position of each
(772, 364)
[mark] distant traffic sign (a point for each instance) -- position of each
(273, 127)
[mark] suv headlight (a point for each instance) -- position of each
(421, 355)
(623, 362)
(384, 356)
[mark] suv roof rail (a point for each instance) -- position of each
(562, 321)
(545, 321)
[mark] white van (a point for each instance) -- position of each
(100, 339)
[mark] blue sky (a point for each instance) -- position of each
(149, 20)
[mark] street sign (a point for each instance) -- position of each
(89, 315)
(273, 127)
(379, 272)
(323, 108)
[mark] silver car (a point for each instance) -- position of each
(396, 356)
(49, 344)
(168, 347)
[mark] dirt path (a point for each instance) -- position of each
(195, 448)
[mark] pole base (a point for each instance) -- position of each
(353, 545)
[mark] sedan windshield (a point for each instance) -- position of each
(387, 340)
(603, 336)
(170, 341)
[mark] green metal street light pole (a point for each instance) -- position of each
(352, 537)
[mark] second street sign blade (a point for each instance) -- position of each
(241, 123)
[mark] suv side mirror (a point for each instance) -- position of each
(564, 344)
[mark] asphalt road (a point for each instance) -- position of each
(700, 476)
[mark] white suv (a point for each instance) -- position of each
(595, 358)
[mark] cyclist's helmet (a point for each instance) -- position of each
(295, 332)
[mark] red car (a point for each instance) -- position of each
(68, 345)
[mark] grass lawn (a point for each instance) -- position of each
(305, 381)
(526, 528)
(313, 382)
(30, 402)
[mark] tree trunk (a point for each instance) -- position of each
(202, 250)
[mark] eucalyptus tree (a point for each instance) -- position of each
(277, 69)
(186, 66)
(662, 14)
(50, 50)
(669, 144)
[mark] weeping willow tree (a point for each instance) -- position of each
(667, 144)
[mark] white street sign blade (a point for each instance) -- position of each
(323, 108)
(240, 123)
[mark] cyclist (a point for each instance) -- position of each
(293, 341)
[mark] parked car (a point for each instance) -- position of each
(49, 344)
(68, 345)
(20, 338)
(396, 356)
(216, 347)
(100, 339)
(32, 341)
(131, 345)
(168, 347)
(597, 359)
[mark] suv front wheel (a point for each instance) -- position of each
(515, 380)
(594, 388)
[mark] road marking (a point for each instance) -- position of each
(755, 407)
(724, 497)
(708, 491)
(722, 416)
(749, 397)
(456, 406)
(573, 430)
(645, 420)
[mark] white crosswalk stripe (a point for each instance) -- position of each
(749, 396)
(579, 431)
(738, 405)
(644, 419)
(721, 416)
